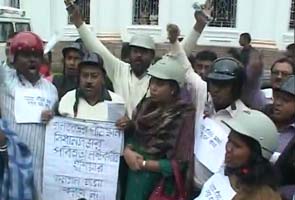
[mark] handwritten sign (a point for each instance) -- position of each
(210, 144)
(218, 187)
(29, 104)
(81, 160)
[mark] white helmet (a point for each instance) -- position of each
(168, 68)
(258, 126)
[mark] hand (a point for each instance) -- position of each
(46, 116)
(133, 159)
(173, 32)
(74, 13)
(122, 123)
(201, 20)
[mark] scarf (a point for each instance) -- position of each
(165, 132)
(16, 180)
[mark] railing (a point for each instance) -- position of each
(145, 12)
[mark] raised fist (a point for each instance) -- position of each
(173, 32)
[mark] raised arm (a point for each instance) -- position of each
(194, 83)
(112, 63)
(189, 42)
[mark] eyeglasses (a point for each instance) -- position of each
(280, 73)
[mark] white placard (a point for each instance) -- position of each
(218, 187)
(81, 160)
(115, 111)
(29, 104)
(210, 144)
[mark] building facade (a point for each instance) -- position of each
(270, 22)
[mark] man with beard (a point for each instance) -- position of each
(130, 81)
(26, 50)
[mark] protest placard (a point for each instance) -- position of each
(29, 104)
(81, 160)
(210, 144)
(218, 187)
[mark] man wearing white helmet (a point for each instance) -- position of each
(130, 80)
(248, 173)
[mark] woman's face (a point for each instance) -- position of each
(161, 91)
(237, 151)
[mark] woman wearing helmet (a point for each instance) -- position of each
(282, 113)
(162, 130)
(247, 169)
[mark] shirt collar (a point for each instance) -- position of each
(234, 108)
(25, 82)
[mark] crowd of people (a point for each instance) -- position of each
(164, 101)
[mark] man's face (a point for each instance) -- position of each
(202, 67)
(283, 106)
(279, 73)
(28, 65)
(71, 60)
(91, 80)
(140, 59)
(221, 93)
(242, 41)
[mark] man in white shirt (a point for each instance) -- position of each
(91, 100)
(131, 81)
(26, 50)
(225, 81)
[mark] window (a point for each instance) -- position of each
(84, 6)
(6, 28)
(12, 3)
(145, 12)
(22, 27)
(15, 3)
(292, 16)
(224, 13)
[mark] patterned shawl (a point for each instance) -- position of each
(165, 132)
(16, 180)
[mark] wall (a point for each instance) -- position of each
(266, 20)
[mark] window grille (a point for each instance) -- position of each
(146, 12)
(84, 6)
(292, 16)
(12, 3)
(224, 13)
(15, 3)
